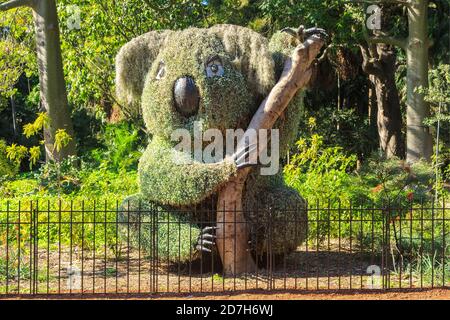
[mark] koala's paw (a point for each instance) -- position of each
(245, 157)
(318, 32)
(206, 240)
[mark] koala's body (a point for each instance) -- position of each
(217, 76)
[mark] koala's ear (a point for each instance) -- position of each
(250, 53)
(133, 63)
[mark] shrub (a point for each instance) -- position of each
(320, 173)
(18, 188)
(325, 176)
(60, 177)
(7, 168)
(395, 182)
(90, 224)
(120, 147)
(68, 181)
(102, 182)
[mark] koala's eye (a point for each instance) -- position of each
(161, 71)
(214, 67)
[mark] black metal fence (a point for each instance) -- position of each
(90, 247)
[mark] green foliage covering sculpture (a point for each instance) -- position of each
(231, 70)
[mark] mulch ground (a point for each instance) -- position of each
(304, 276)
(406, 294)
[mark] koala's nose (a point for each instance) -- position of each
(187, 96)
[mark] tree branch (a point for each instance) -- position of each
(370, 65)
(398, 42)
(15, 4)
(232, 235)
(402, 2)
(325, 54)
(382, 38)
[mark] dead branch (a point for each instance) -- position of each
(232, 234)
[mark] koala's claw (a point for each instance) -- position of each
(319, 32)
(301, 33)
(241, 156)
(205, 241)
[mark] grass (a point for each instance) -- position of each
(12, 270)
(431, 271)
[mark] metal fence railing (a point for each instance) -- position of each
(91, 247)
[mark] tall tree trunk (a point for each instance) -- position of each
(51, 78)
(372, 101)
(419, 140)
(389, 118)
(14, 116)
(379, 62)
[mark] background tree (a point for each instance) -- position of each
(341, 100)
(380, 63)
(341, 97)
(416, 45)
(53, 96)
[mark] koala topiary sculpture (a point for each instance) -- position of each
(216, 76)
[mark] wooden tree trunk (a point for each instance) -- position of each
(389, 118)
(51, 78)
(379, 62)
(418, 138)
(14, 116)
(232, 233)
(372, 103)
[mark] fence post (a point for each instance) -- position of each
(153, 250)
(387, 248)
(383, 246)
(271, 255)
(34, 271)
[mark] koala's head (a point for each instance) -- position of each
(217, 76)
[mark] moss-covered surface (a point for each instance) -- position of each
(276, 215)
(147, 69)
(160, 232)
(132, 65)
(164, 179)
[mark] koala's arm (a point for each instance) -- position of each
(165, 177)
